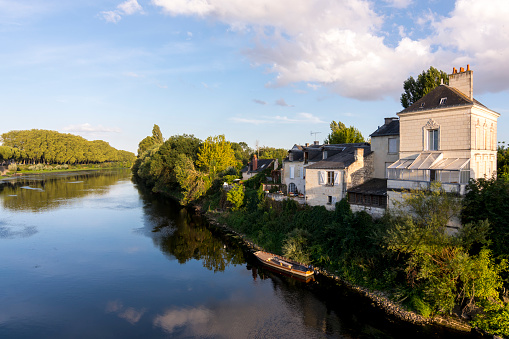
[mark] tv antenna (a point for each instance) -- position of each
(315, 133)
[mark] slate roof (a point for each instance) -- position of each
(262, 164)
(391, 128)
(372, 187)
(432, 100)
(341, 158)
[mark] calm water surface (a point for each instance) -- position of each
(92, 256)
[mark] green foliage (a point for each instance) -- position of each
(340, 134)
(488, 199)
(12, 168)
(502, 161)
(273, 153)
(192, 183)
(242, 153)
(235, 196)
(216, 155)
(157, 136)
(437, 263)
(426, 81)
(494, 319)
(295, 246)
(42, 146)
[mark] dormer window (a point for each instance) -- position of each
(422, 104)
(324, 155)
(443, 101)
(306, 157)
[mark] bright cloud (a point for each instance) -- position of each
(128, 7)
(261, 102)
(341, 44)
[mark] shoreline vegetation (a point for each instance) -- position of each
(406, 261)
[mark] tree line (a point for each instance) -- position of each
(186, 167)
(37, 146)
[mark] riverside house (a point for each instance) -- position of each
(445, 136)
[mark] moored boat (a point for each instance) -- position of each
(284, 265)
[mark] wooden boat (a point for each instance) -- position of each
(284, 265)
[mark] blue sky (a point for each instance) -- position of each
(271, 71)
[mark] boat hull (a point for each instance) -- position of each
(283, 265)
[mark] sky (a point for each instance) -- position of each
(267, 72)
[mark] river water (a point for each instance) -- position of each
(92, 255)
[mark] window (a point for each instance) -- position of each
(306, 157)
(292, 188)
(324, 155)
(329, 200)
(433, 139)
(330, 178)
(393, 145)
(443, 101)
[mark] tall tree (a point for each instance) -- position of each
(340, 134)
(426, 81)
(216, 155)
(157, 135)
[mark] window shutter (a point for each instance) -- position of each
(333, 200)
(321, 179)
(301, 172)
(336, 178)
(292, 172)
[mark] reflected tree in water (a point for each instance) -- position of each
(184, 235)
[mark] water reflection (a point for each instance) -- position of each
(37, 193)
(183, 235)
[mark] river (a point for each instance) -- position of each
(91, 255)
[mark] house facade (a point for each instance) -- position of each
(445, 136)
(342, 166)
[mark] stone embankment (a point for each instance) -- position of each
(380, 299)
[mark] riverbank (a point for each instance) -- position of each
(378, 298)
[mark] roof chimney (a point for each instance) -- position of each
(316, 142)
(389, 120)
(254, 163)
(463, 81)
(359, 154)
(307, 144)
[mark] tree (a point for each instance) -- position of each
(146, 144)
(157, 135)
(443, 270)
(216, 155)
(488, 199)
(503, 161)
(236, 196)
(426, 81)
(340, 134)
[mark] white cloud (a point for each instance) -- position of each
(341, 45)
(128, 7)
(111, 16)
(261, 102)
(480, 33)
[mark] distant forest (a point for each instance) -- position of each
(50, 147)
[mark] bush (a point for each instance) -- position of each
(12, 168)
